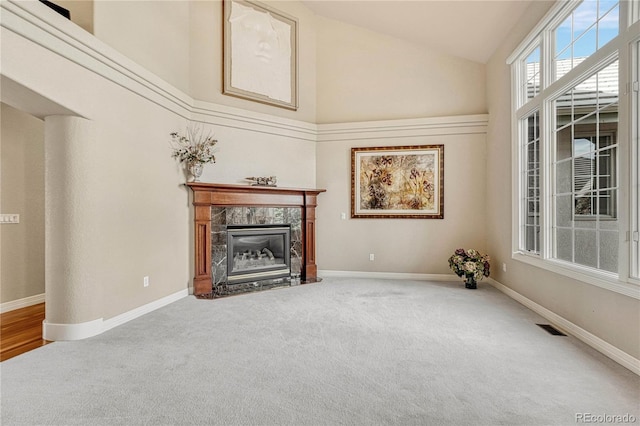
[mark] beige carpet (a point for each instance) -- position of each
(344, 351)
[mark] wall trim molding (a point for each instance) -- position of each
(55, 332)
(237, 118)
(402, 128)
(79, 331)
(21, 303)
(583, 274)
(56, 34)
(569, 327)
(388, 275)
(144, 309)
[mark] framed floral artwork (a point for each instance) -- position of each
(398, 182)
(260, 54)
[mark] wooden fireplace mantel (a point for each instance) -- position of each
(207, 195)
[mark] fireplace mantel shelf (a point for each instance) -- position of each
(219, 194)
(207, 195)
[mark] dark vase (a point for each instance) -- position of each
(470, 282)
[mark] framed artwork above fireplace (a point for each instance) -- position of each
(398, 182)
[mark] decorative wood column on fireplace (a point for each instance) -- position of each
(207, 195)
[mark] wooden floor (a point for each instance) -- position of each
(21, 331)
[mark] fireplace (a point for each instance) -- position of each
(258, 252)
(217, 206)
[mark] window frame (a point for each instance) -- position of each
(625, 48)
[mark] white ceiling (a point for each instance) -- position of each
(470, 29)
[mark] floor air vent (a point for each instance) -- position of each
(551, 329)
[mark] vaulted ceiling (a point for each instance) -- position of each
(471, 29)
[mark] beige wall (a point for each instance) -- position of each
(363, 75)
(206, 59)
(135, 211)
(401, 245)
(125, 209)
(81, 12)
(154, 34)
(22, 192)
(610, 316)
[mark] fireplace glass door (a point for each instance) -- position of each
(258, 252)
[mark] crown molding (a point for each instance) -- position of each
(238, 118)
(432, 126)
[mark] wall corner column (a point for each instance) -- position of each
(72, 293)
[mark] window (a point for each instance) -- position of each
(531, 180)
(576, 141)
(589, 27)
(635, 162)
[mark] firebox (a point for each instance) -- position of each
(258, 252)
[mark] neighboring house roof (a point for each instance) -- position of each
(601, 88)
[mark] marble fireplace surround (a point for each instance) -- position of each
(210, 197)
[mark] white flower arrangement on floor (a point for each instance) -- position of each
(470, 264)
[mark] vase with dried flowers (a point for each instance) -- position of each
(470, 264)
(195, 148)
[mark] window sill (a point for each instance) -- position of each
(604, 280)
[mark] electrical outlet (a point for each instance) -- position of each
(9, 218)
(145, 281)
(371, 257)
(504, 267)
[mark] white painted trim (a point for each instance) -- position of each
(559, 9)
(583, 274)
(55, 332)
(238, 118)
(144, 309)
(388, 275)
(21, 303)
(595, 342)
(432, 126)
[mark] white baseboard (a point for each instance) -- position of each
(21, 303)
(54, 332)
(84, 330)
(145, 309)
(388, 275)
(595, 342)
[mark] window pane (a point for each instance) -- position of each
(608, 27)
(586, 251)
(531, 184)
(564, 148)
(590, 26)
(564, 244)
(609, 251)
(585, 196)
(531, 77)
(586, 44)
(564, 213)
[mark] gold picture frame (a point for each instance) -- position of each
(403, 182)
(260, 54)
